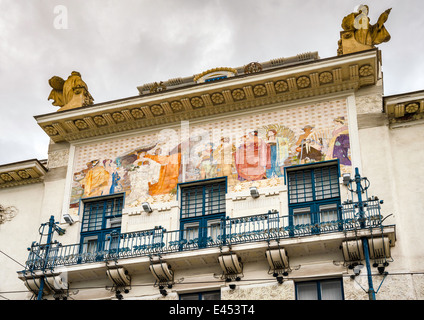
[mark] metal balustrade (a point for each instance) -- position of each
(238, 230)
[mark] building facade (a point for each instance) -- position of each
(294, 178)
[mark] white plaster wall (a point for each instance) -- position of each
(392, 161)
(18, 234)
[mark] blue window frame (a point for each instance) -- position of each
(101, 223)
(329, 289)
(313, 194)
(202, 209)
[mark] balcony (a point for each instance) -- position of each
(262, 229)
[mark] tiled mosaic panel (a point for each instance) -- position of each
(281, 138)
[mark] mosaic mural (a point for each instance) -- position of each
(147, 166)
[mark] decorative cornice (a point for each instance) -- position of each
(326, 76)
(21, 173)
(404, 108)
(214, 70)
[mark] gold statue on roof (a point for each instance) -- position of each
(70, 94)
(358, 34)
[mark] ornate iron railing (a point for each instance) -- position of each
(262, 227)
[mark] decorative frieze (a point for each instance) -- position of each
(21, 173)
(404, 109)
(257, 90)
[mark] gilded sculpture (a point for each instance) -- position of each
(358, 34)
(70, 93)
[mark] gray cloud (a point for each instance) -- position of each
(119, 45)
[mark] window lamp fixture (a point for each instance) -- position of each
(146, 207)
(254, 192)
(68, 219)
(346, 179)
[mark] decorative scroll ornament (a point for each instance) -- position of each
(358, 34)
(70, 94)
(215, 73)
(7, 213)
(158, 87)
(253, 67)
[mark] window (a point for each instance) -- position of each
(202, 208)
(101, 224)
(331, 289)
(314, 195)
(208, 295)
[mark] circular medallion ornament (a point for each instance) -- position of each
(137, 113)
(238, 94)
(303, 82)
(23, 174)
(6, 177)
(325, 77)
(100, 121)
(157, 110)
(253, 67)
(118, 117)
(366, 70)
(217, 98)
(196, 102)
(176, 106)
(281, 86)
(50, 131)
(259, 90)
(412, 107)
(80, 124)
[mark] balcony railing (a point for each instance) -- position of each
(262, 227)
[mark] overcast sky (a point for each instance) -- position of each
(119, 45)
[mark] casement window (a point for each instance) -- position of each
(329, 289)
(101, 223)
(313, 194)
(202, 208)
(205, 295)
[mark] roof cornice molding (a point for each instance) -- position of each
(21, 173)
(317, 78)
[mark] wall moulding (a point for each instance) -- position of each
(22, 173)
(251, 91)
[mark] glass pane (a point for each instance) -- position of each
(189, 296)
(331, 290)
(203, 200)
(307, 291)
(300, 186)
(90, 245)
(214, 230)
(328, 212)
(213, 295)
(113, 222)
(302, 216)
(326, 182)
(191, 231)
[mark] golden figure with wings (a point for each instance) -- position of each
(70, 94)
(358, 34)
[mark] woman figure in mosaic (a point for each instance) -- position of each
(96, 179)
(339, 145)
(207, 164)
(252, 158)
(275, 152)
(224, 156)
(114, 177)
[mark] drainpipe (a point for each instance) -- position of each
(371, 292)
(49, 240)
